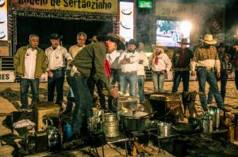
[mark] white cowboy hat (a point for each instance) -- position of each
(208, 39)
(158, 44)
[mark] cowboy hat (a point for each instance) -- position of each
(132, 42)
(158, 44)
(184, 41)
(235, 42)
(55, 36)
(117, 39)
(208, 39)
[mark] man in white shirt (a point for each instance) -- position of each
(56, 55)
(161, 65)
(143, 62)
(115, 66)
(30, 63)
(81, 40)
(129, 66)
(74, 50)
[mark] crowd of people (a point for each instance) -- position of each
(116, 68)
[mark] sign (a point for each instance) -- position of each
(3, 20)
(7, 76)
(127, 20)
(145, 4)
(89, 6)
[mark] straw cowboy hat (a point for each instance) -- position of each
(208, 39)
(158, 44)
(184, 41)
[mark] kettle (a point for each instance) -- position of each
(215, 113)
(207, 123)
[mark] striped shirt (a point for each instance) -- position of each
(206, 57)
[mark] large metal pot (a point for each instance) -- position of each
(134, 122)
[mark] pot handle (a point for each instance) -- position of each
(149, 115)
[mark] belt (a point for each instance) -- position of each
(206, 68)
(59, 69)
(181, 69)
(130, 73)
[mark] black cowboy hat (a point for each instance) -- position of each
(117, 39)
(184, 41)
(55, 36)
(235, 42)
(133, 42)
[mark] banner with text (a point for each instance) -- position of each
(3, 20)
(7, 76)
(89, 6)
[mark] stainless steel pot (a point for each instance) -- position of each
(133, 122)
(164, 129)
(111, 125)
(110, 117)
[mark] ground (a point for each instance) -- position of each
(8, 103)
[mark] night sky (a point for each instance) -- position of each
(231, 17)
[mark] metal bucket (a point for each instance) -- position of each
(111, 125)
(164, 129)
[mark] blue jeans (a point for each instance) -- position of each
(178, 75)
(24, 86)
(209, 76)
(158, 80)
(56, 82)
(141, 81)
(128, 79)
(115, 76)
(70, 96)
(83, 104)
(224, 77)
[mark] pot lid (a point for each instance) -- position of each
(137, 114)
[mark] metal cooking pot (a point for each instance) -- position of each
(135, 122)
(110, 117)
(111, 126)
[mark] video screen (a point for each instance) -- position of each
(170, 32)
